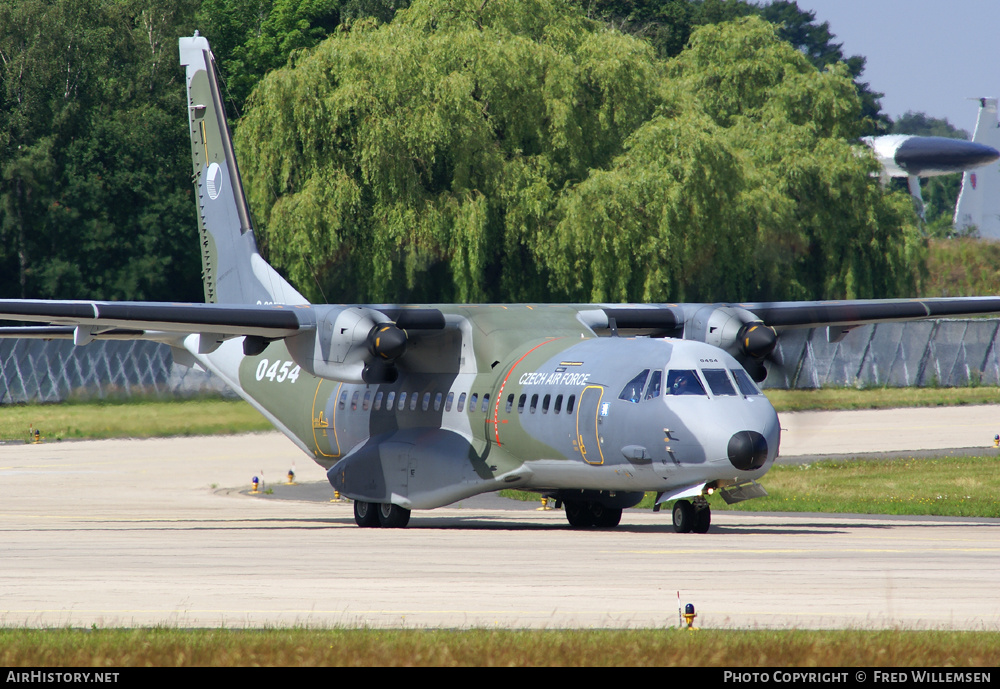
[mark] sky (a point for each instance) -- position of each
(925, 55)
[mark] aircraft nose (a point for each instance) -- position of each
(747, 450)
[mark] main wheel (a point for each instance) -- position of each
(702, 520)
(578, 514)
(683, 516)
(365, 514)
(604, 517)
(393, 516)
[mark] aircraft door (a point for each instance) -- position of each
(588, 424)
(324, 417)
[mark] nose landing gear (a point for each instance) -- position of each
(696, 517)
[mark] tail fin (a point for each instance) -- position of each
(233, 270)
(979, 201)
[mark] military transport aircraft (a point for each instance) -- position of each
(416, 407)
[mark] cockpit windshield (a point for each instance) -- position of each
(718, 381)
(743, 380)
(684, 382)
(632, 392)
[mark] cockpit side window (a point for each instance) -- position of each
(653, 390)
(746, 384)
(684, 382)
(632, 392)
(718, 381)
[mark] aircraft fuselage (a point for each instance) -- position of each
(475, 411)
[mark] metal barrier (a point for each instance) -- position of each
(948, 353)
(56, 370)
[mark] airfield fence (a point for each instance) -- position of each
(57, 370)
(946, 353)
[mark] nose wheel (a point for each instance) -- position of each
(692, 518)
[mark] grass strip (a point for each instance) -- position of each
(164, 647)
(946, 486)
(833, 399)
(142, 418)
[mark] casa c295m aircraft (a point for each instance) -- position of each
(416, 407)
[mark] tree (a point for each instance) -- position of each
(95, 201)
(517, 151)
(252, 37)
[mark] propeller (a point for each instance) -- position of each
(386, 343)
(756, 343)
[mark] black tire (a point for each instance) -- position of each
(683, 516)
(604, 517)
(578, 514)
(365, 514)
(392, 516)
(702, 520)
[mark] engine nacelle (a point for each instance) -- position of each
(736, 330)
(339, 348)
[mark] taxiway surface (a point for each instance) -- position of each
(159, 532)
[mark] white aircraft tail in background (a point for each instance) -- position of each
(978, 204)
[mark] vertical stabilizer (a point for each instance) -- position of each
(233, 271)
(979, 201)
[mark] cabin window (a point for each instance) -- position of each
(343, 400)
(389, 400)
(653, 390)
(545, 403)
(510, 402)
(354, 400)
(534, 403)
(718, 381)
(413, 401)
(684, 382)
(426, 402)
(437, 401)
(486, 402)
(378, 400)
(448, 400)
(402, 401)
(472, 402)
(520, 403)
(558, 404)
(367, 400)
(569, 404)
(461, 402)
(745, 382)
(632, 392)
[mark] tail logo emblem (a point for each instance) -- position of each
(213, 180)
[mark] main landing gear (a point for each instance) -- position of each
(371, 514)
(696, 517)
(582, 514)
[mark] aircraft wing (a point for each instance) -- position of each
(87, 320)
(811, 314)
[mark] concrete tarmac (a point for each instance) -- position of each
(162, 532)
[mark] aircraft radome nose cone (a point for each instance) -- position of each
(747, 450)
(938, 154)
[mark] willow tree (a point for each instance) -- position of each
(421, 159)
(515, 150)
(825, 229)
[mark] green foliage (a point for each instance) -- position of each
(95, 201)
(962, 267)
(668, 25)
(518, 151)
